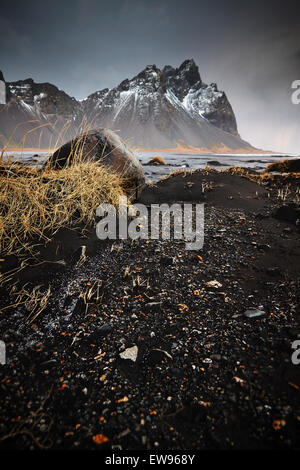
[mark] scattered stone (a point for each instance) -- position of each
(254, 313)
(214, 284)
(130, 353)
(99, 333)
(207, 360)
(263, 246)
(105, 329)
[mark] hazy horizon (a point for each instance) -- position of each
(251, 52)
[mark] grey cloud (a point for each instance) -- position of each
(251, 50)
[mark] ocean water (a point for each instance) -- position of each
(176, 161)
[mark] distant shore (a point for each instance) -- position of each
(182, 150)
(29, 149)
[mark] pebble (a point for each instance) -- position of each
(130, 353)
(254, 313)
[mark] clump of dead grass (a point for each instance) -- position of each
(157, 160)
(179, 171)
(284, 166)
(262, 177)
(35, 203)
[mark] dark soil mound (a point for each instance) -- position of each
(285, 166)
(220, 189)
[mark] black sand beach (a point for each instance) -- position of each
(205, 375)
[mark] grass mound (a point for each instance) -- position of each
(284, 166)
(157, 160)
(35, 203)
(263, 176)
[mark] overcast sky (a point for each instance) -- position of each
(251, 49)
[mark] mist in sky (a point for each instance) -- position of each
(252, 51)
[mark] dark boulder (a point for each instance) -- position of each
(102, 145)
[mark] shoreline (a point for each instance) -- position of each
(175, 150)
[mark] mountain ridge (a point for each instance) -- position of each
(157, 108)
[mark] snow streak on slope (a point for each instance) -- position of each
(164, 108)
(155, 109)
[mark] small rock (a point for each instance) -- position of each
(215, 284)
(263, 247)
(130, 353)
(104, 330)
(254, 313)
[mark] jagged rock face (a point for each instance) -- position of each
(38, 115)
(2, 90)
(161, 108)
(105, 146)
(181, 80)
(45, 97)
(155, 109)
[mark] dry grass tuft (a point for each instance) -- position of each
(179, 171)
(35, 203)
(157, 160)
(262, 177)
(284, 166)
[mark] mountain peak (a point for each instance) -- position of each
(190, 71)
(1, 77)
(180, 80)
(152, 68)
(155, 109)
(188, 64)
(149, 71)
(158, 107)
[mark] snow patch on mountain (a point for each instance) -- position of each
(155, 109)
(202, 101)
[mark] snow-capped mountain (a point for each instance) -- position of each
(37, 115)
(164, 108)
(157, 108)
